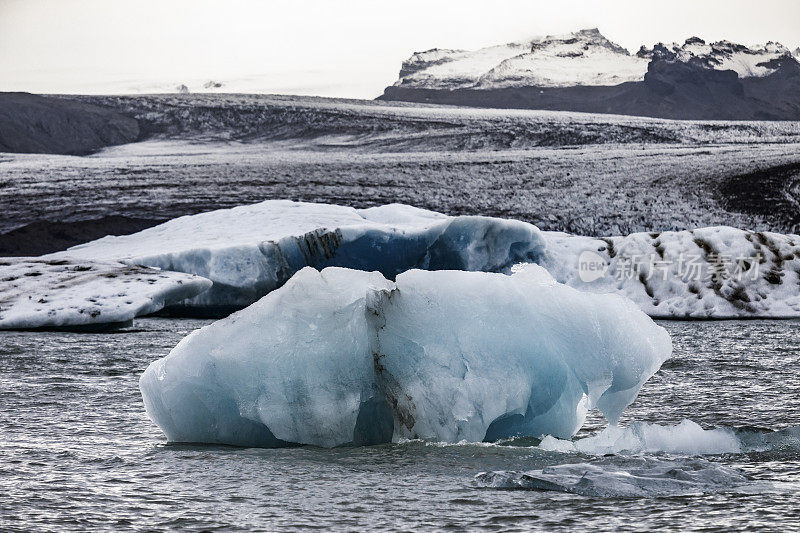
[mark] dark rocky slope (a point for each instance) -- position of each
(669, 90)
(37, 124)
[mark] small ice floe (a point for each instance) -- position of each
(348, 357)
(80, 294)
(622, 477)
(686, 437)
(672, 466)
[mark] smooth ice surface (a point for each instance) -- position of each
(629, 478)
(343, 356)
(37, 293)
(250, 250)
(715, 272)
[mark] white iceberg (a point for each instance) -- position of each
(79, 294)
(715, 272)
(250, 250)
(686, 437)
(348, 357)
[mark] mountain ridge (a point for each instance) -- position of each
(584, 71)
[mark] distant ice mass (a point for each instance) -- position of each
(251, 250)
(81, 294)
(348, 357)
(716, 272)
(248, 251)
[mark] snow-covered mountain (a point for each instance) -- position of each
(584, 57)
(756, 62)
(580, 58)
(584, 71)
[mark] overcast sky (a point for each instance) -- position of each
(325, 47)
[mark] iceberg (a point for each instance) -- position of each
(79, 294)
(631, 477)
(708, 273)
(687, 437)
(340, 356)
(250, 250)
(617, 468)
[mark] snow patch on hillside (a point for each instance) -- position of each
(748, 62)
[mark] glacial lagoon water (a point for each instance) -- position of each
(77, 451)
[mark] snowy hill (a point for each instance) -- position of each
(584, 71)
(580, 58)
(756, 62)
(584, 57)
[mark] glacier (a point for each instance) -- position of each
(346, 357)
(79, 294)
(250, 250)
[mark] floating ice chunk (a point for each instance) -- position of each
(615, 477)
(80, 294)
(454, 339)
(684, 438)
(295, 366)
(343, 356)
(716, 272)
(250, 250)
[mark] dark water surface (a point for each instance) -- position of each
(77, 451)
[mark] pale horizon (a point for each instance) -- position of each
(321, 48)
